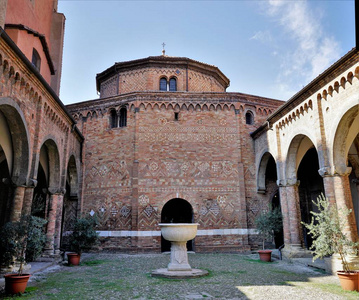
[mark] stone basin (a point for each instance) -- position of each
(178, 232)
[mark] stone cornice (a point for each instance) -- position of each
(177, 98)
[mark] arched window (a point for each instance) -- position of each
(113, 119)
(249, 118)
(163, 84)
(123, 117)
(36, 60)
(173, 85)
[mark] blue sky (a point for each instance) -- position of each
(267, 48)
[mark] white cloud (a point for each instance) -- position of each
(311, 50)
(262, 36)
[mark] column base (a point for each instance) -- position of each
(295, 251)
(178, 267)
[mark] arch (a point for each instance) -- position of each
(345, 133)
(51, 158)
(310, 187)
(123, 117)
(336, 86)
(176, 210)
(163, 84)
(330, 90)
(249, 117)
(262, 169)
(17, 137)
(71, 197)
(298, 147)
(343, 82)
(350, 77)
(173, 84)
(113, 118)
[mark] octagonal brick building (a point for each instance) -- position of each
(165, 142)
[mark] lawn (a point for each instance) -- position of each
(231, 276)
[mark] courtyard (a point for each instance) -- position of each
(231, 276)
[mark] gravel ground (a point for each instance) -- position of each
(232, 276)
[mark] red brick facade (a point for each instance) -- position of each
(192, 145)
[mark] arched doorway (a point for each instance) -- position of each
(346, 153)
(70, 205)
(176, 211)
(310, 187)
(14, 155)
(267, 183)
(6, 189)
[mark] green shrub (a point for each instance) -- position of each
(269, 222)
(326, 231)
(84, 235)
(16, 237)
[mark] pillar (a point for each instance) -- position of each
(51, 224)
(337, 190)
(58, 223)
(17, 204)
(289, 197)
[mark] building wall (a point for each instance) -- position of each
(205, 157)
(324, 117)
(35, 117)
(40, 17)
(148, 79)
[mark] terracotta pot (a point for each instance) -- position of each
(349, 280)
(265, 255)
(15, 284)
(73, 259)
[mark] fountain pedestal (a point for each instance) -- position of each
(178, 234)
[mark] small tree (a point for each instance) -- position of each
(15, 237)
(326, 231)
(269, 222)
(84, 235)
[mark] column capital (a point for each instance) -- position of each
(56, 191)
(288, 182)
(329, 171)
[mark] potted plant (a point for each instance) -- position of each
(83, 237)
(328, 238)
(14, 239)
(267, 223)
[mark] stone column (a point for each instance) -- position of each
(284, 209)
(28, 197)
(58, 224)
(338, 185)
(51, 224)
(17, 204)
(289, 195)
(337, 190)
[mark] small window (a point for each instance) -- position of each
(249, 118)
(36, 60)
(163, 84)
(123, 117)
(173, 85)
(113, 119)
(176, 116)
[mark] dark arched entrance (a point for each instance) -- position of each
(310, 187)
(278, 236)
(6, 189)
(176, 211)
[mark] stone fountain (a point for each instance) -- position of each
(178, 234)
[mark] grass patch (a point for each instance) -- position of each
(94, 262)
(336, 289)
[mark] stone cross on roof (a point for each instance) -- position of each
(163, 48)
